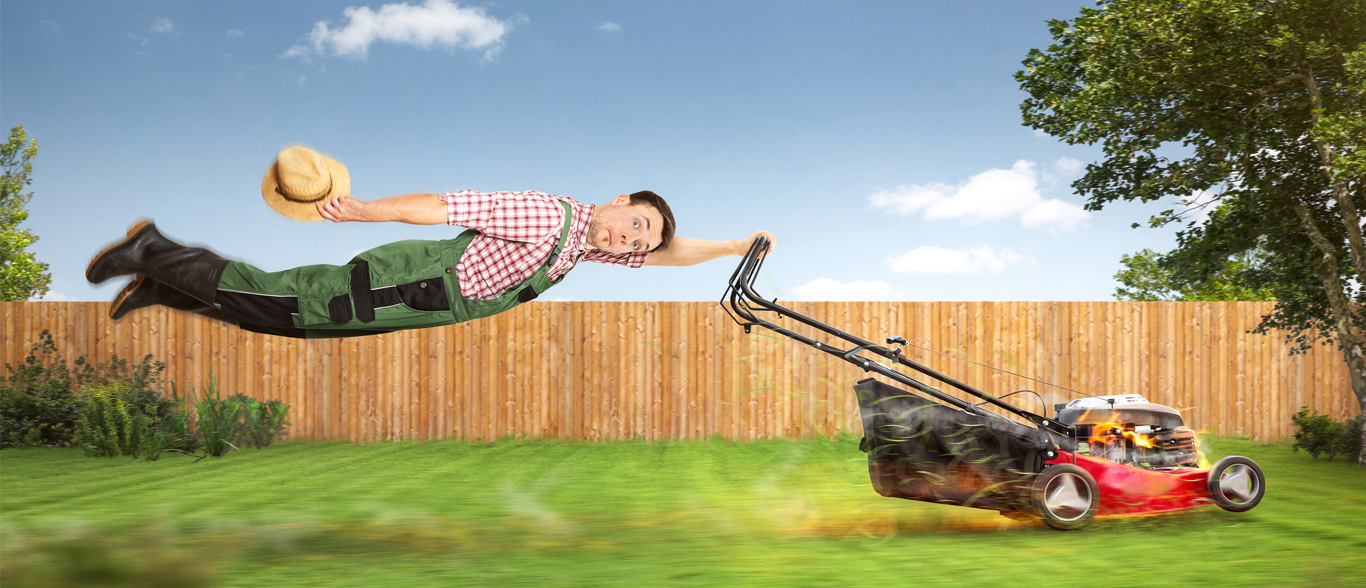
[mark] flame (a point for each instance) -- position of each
(1102, 432)
(1203, 462)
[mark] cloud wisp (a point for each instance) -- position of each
(994, 195)
(434, 23)
(938, 260)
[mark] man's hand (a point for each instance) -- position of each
(343, 208)
(745, 244)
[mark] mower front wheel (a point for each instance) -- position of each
(1235, 483)
(1065, 496)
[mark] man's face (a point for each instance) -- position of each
(620, 227)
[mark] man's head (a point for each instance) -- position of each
(640, 222)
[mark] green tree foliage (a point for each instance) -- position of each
(21, 275)
(1255, 104)
(1148, 276)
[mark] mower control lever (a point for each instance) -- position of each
(898, 339)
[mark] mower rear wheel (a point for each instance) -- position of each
(1065, 496)
(1235, 483)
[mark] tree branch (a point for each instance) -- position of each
(1350, 220)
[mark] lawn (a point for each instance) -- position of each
(547, 513)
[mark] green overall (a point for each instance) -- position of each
(402, 285)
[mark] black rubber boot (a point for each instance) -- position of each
(144, 291)
(192, 270)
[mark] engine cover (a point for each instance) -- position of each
(1130, 408)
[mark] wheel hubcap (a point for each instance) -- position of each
(1067, 497)
(1238, 484)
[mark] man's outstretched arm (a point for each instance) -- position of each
(417, 209)
(684, 251)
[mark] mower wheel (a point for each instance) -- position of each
(1235, 483)
(1065, 496)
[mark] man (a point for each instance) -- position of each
(517, 245)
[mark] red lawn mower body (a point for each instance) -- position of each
(1129, 490)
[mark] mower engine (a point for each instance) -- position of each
(1130, 430)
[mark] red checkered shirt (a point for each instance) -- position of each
(517, 232)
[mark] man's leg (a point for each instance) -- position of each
(190, 278)
(193, 271)
(144, 291)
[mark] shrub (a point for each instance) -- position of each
(38, 404)
(1349, 443)
(265, 422)
(1319, 434)
(41, 403)
(117, 408)
(117, 419)
(105, 428)
(238, 421)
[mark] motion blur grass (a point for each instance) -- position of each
(550, 513)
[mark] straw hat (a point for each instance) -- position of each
(301, 177)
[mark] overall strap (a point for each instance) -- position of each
(564, 235)
(527, 290)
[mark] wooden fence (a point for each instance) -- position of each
(684, 370)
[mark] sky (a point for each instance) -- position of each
(880, 142)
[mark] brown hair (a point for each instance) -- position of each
(666, 235)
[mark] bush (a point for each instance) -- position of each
(238, 421)
(118, 419)
(1319, 434)
(1349, 443)
(38, 404)
(117, 408)
(41, 403)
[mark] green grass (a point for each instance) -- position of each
(523, 513)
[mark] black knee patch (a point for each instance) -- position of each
(258, 309)
(339, 309)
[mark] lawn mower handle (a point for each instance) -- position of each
(743, 305)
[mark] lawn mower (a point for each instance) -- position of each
(1096, 456)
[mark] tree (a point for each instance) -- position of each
(1149, 275)
(22, 276)
(1255, 104)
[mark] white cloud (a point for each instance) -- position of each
(609, 27)
(298, 51)
(162, 25)
(434, 23)
(1068, 167)
(991, 196)
(828, 289)
(937, 260)
(234, 33)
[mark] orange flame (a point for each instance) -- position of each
(1101, 433)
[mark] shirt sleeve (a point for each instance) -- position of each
(626, 259)
(514, 216)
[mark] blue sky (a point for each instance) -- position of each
(879, 141)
